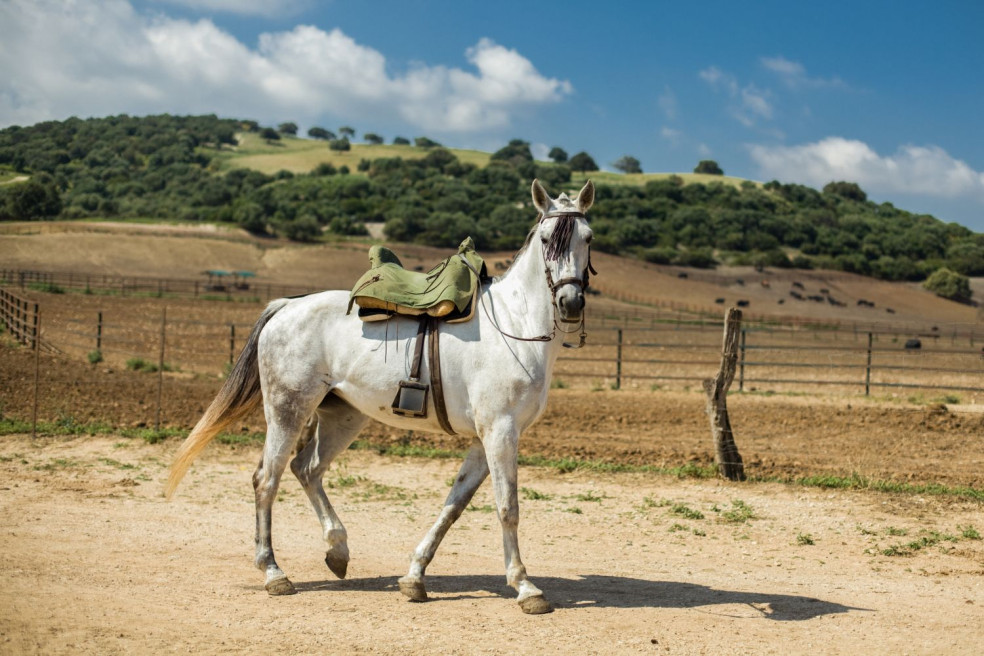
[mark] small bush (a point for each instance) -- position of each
(95, 357)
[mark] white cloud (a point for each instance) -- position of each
(269, 8)
(748, 103)
(793, 74)
(925, 170)
(93, 58)
(668, 103)
(671, 135)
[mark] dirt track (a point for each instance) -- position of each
(97, 562)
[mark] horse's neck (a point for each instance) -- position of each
(523, 294)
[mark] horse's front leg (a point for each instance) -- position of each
(501, 448)
(473, 471)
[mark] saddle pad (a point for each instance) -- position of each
(447, 291)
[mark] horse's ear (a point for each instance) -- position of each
(585, 198)
(540, 197)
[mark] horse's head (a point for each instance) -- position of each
(564, 236)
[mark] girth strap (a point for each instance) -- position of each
(434, 344)
(411, 398)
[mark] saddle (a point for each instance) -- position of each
(446, 292)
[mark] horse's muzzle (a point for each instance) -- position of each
(570, 303)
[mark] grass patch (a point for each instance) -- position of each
(116, 463)
(139, 364)
(805, 540)
(46, 287)
(683, 510)
(487, 508)
(532, 495)
(95, 357)
(589, 496)
(739, 513)
(928, 539)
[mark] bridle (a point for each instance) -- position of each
(582, 284)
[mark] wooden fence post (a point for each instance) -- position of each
(618, 362)
(741, 370)
(37, 373)
(232, 342)
(867, 369)
(160, 369)
(99, 332)
(726, 454)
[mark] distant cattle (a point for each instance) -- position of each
(765, 283)
(743, 303)
(740, 281)
(816, 298)
(865, 303)
(719, 300)
(781, 301)
(890, 310)
(824, 290)
(795, 294)
(798, 285)
(834, 301)
(682, 274)
(912, 344)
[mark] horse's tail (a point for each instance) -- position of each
(239, 395)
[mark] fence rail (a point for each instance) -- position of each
(148, 286)
(20, 317)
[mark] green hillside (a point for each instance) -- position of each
(220, 170)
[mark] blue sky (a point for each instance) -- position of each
(886, 94)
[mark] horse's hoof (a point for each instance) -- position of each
(413, 589)
(281, 586)
(337, 564)
(536, 605)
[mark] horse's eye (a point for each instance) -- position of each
(588, 240)
(543, 238)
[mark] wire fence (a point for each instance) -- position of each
(205, 338)
(155, 363)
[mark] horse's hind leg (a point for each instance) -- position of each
(337, 425)
(285, 418)
(473, 471)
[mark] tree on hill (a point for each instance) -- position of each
(557, 154)
(628, 164)
(340, 144)
(401, 141)
(320, 133)
(35, 199)
(288, 128)
(517, 152)
(849, 190)
(372, 138)
(582, 162)
(270, 134)
(708, 166)
(949, 284)
(424, 142)
(347, 132)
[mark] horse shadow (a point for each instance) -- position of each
(596, 591)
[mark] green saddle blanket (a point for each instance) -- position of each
(447, 291)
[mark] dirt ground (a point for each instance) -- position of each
(95, 561)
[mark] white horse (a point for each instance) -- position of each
(307, 355)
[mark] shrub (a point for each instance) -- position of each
(949, 284)
(95, 357)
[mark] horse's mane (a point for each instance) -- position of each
(557, 245)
